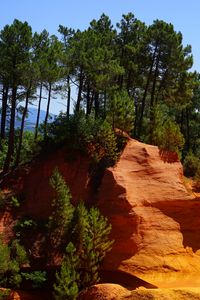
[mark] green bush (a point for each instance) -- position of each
(67, 280)
(120, 112)
(14, 202)
(89, 135)
(87, 234)
(4, 294)
(191, 165)
(3, 152)
(30, 148)
(23, 226)
(37, 278)
(60, 219)
(12, 258)
(169, 137)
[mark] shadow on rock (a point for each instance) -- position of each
(186, 213)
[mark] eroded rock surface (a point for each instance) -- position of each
(156, 222)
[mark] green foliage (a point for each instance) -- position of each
(4, 260)
(24, 226)
(191, 165)
(96, 245)
(88, 234)
(30, 148)
(90, 135)
(14, 202)
(63, 210)
(11, 259)
(9, 202)
(121, 111)
(168, 136)
(67, 280)
(3, 152)
(4, 294)
(18, 252)
(79, 227)
(37, 278)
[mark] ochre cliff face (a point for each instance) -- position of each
(156, 223)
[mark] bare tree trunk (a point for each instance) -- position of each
(96, 104)
(145, 94)
(78, 103)
(3, 113)
(88, 111)
(38, 113)
(22, 130)
(152, 104)
(11, 133)
(188, 128)
(47, 111)
(68, 96)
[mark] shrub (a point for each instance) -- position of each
(92, 136)
(66, 286)
(30, 148)
(62, 210)
(37, 278)
(191, 165)
(11, 259)
(169, 137)
(87, 233)
(23, 226)
(4, 294)
(3, 152)
(121, 111)
(14, 202)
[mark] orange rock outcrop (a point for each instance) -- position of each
(156, 222)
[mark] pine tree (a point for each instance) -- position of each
(15, 43)
(121, 111)
(67, 280)
(61, 217)
(11, 260)
(97, 243)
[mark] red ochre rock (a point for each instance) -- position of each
(155, 221)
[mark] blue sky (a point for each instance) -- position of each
(48, 14)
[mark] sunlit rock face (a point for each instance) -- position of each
(156, 222)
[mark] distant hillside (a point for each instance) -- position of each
(31, 119)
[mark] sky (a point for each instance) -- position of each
(48, 14)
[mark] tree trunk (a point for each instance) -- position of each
(91, 103)
(68, 96)
(152, 104)
(47, 112)
(78, 103)
(104, 104)
(22, 130)
(96, 104)
(3, 113)
(11, 133)
(188, 128)
(136, 118)
(128, 85)
(38, 112)
(88, 105)
(145, 94)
